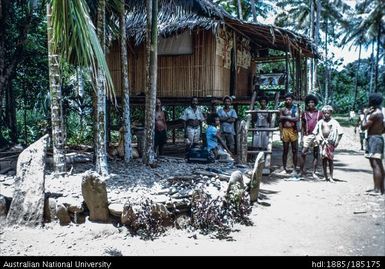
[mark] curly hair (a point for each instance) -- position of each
(263, 97)
(289, 95)
(311, 97)
(211, 118)
(375, 99)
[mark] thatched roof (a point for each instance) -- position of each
(176, 16)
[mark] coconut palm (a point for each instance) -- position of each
(71, 38)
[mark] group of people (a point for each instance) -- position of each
(219, 141)
(320, 133)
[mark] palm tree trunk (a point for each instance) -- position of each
(357, 73)
(58, 137)
(326, 64)
(371, 68)
(311, 35)
(152, 40)
(252, 3)
(101, 145)
(240, 10)
(125, 87)
(377, 58)
(316, 41)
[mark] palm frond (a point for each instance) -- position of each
(76, 39)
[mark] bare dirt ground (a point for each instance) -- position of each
(299, 218)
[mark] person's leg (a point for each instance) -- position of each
(315, 161)
(324, 166)
(331, 167)
(284, 154)
(303, 161)
(231, 143)
(378, 174)
(294, 150)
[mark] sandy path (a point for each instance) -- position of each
(304, 218)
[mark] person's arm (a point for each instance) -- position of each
(338, 140)
(368, 122)
(223, 144)
(303, 123)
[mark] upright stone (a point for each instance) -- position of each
(27, 205)
(256, 177)
(95, 195)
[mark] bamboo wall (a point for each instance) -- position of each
(178, 76)
(205, 73)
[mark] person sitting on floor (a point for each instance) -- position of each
(213, 136)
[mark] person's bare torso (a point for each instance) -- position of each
(326, 129)
(160, 121)
(377, 118)
(286, 123)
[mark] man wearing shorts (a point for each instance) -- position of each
(374, 123)
(309, 120)
(289, 134)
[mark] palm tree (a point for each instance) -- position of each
(101, 99)
(125, 85)
(152, 40)
(71, 38)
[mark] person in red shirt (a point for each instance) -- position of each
(309, 120)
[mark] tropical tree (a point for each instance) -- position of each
(372, 15)
(250, 9)
(152, 40)
(17, 20)
(71, 38)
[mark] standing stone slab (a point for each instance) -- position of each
(27, 205)
(256, 177)
(95, 195)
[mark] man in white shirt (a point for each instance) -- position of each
(193, 118)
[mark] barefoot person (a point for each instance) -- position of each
(328, 134)
(192, 117)
(374, 123)
(262, 120)
(228, 116)
(160, 128)
(289, 134)
(309, 120)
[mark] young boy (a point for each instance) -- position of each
(328, 134)
(309, 120)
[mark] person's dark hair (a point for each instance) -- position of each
(375, 99)
(211, 118)
(263, 97)
(311, 97)
(289, 95)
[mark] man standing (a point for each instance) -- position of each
(289, 134)
(262, 120)
(374, 123)
(160, 128)
(309, 120)
(193, 118)
(227, 118)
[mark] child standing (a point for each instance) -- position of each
(328, 135)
